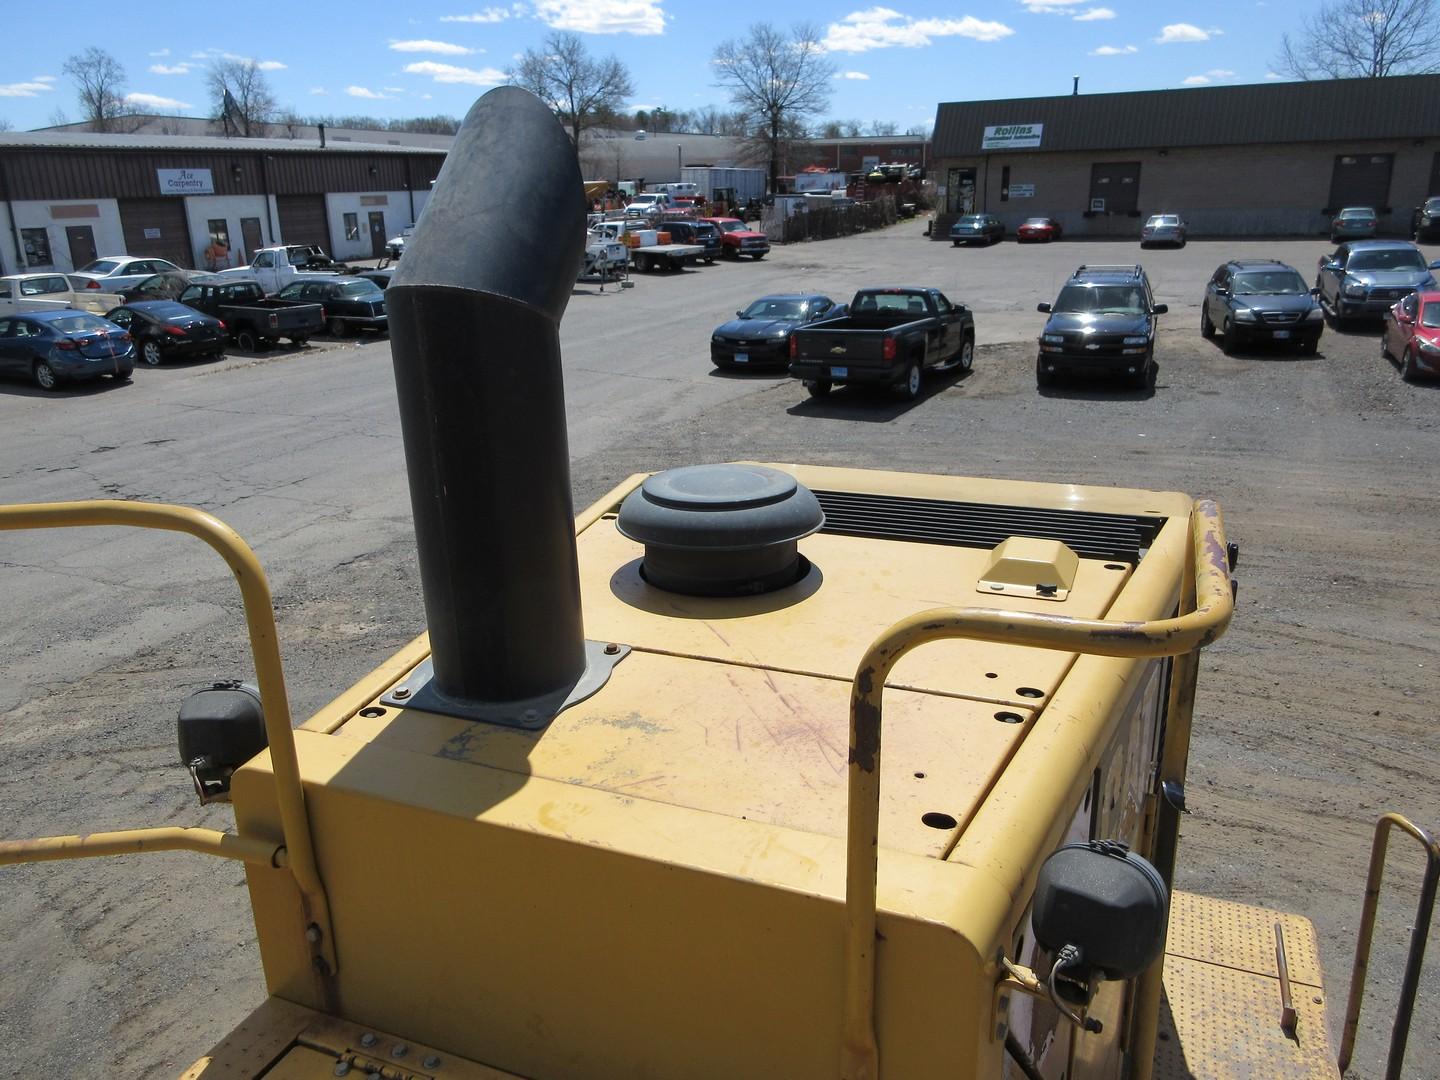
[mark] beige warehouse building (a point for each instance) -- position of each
(1271, 159)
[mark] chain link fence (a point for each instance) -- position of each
(826, 223)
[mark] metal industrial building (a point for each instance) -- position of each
(1273, 158)
(67, 198)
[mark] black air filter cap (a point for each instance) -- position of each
(721, 530)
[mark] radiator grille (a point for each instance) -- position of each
(1117, 537)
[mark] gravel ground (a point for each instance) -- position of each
(1314, 713)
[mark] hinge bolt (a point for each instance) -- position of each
(611, 649)
(312, 934)
(402, 692)
(368, 1039)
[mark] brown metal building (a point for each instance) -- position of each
(1275, 158)
(67, 198)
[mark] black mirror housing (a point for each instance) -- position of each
(219, 729)
(1159, 309)
(1043, 307)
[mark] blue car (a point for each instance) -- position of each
(54, 347)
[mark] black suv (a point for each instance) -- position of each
(695, 232)
(1261, 300)
(1102, 323)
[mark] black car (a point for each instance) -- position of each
(760, 335)
(350, 303)
(167, 286)
(163, 329)
(1261, 300)
(1102, 323)
(696, 232)
(379, 277)
(1425, 222)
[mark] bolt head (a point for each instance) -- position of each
(399, 1050)
(368, 1039)
(342, 1068)
(312, 933)
(402, 692)
(431, 1062)
(611, 649)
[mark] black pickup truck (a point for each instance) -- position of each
(890, 337)
(253, 321)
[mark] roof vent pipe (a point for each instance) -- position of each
(474, 311)
(322, 135)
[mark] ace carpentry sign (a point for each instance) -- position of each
(185, 182)
(1012, 137)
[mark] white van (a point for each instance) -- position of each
(45, 292)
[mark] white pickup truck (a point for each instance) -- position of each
(43, 292)
(276, 267)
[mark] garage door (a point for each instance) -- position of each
(302, 220)
(1361, 180)
(156, 228)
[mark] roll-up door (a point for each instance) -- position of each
(303, 221)
(1361, 180)
(156, 228)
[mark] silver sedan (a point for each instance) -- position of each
(116, 272)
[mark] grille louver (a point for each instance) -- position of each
(1117, 537)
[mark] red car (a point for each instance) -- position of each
(1412, 335)
(739, 239)
(1039, 229)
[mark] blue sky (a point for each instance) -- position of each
(894, 63)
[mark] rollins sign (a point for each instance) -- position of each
(1012, 137)
(185, 182)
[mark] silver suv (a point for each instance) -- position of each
(1363, 279)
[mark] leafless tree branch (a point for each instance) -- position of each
(1368, 39)
(583, 91)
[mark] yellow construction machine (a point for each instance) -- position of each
(748, 771)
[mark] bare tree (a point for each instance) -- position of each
(240, 95)
(1366, 39)
(6, 125)
(582, 90)
(884, 127)
(778, 79)
(100, 85)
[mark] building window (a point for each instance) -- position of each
(352, 226)
(37, 247)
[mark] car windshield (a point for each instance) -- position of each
(772, 308)
(1163, 219)
(732, 226)
(1432, 206)
(99, 266)
(353, 289)
(1430, 314)
(972, 219)
(78, 324)
(1356, 212)
(1386, 259)
(1270, 283)
(1100, 300)
(1037, 221)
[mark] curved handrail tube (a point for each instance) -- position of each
(264, 649)
(1161, 637)
(134, 841)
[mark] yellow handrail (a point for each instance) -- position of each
(265, 650)
(860, 1058)
(130, 841)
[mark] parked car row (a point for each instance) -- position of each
(988, 229)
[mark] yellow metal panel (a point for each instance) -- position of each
(258, 1040)
(765, 746)
(823, 624)
(1220, 1017)
(302, 1063)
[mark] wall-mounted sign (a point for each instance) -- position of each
(1022, 191)
(1012, 137)
(185, 182)
(152, 234)
(1097, 206)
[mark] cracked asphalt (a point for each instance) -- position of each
(1315, 713)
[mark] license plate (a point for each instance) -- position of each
(839, 372)
(742, 358)
(1280, 335)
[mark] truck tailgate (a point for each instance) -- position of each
(840, 346)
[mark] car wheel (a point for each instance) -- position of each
(121, 376)
(1310, 348)
(909, 388)
(150, 353)
(954, 243)
(1207, 328)
(1145, 378)
(337, 327)
(300, 342)
(1042, 377)
(1227, 338)
(819, 388)
(1384, 346)
(245, 341)
(1408, 370)
(45, 376)
(966, 359)
(710, 261)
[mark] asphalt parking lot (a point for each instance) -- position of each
(1314, 714)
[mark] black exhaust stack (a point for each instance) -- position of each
(474, 311)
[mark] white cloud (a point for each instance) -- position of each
(449, 73)
(1220, 73)
(1095, 13)
(1194, 80)
(603, 16)
(1169, 35)
(1049, 7)
(860, 75)
(155, 101)
(270, 65)
(1272, 76)
(44, 78)
(425, 45)
(162, 52)
(1114, 50)
(489, 15)
(393, 89)
(181, 68)
(366, 93)
(881, 28)
(633, 109)
(319, 91)
(1213, 75)
(25, 89)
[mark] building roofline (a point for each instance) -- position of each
(58, 140)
